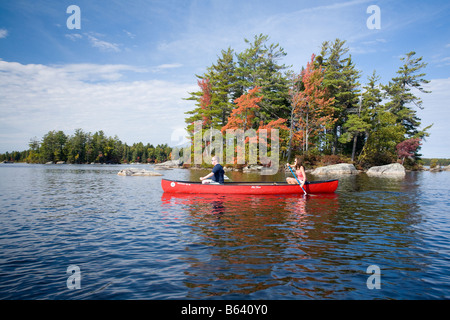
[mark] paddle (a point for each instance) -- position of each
(297, 179)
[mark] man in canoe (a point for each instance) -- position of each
(217, 174)
(299, 171)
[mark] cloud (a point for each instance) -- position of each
(39, 98)
(95, 41)
(103, 45)
(3, 33)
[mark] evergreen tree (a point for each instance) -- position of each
(341, 80)
(53, 147)
(222, 76)
(77, 147)
(259, 66)
(382, 131)
(402, 99)
(216, 94)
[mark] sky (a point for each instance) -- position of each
(125, 67)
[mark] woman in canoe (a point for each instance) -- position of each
(299, 171)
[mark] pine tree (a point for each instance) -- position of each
(361, 121)
(222, 76)
(399, 91)
(258, 66)
(383, 131)
(341, 81)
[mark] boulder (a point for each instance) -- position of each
(336, 169)
(389, 170)
(137, 172)
(437, 168)
(252, 168)
(170, 164)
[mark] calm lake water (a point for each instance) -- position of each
(131, 241)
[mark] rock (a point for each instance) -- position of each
(252, 167)
(336, 169)
(170, 164)
(137, 172)
(437, 168)
(60, 162)
(446, 168)
(391, 170)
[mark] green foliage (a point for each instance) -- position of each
(367, 123)
(341, 81)
(234, 75)
(85, 147)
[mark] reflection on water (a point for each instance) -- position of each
(251, 243)
(132, 241)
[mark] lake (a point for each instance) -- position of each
(83, 232)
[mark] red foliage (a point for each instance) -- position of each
(408, 147)
(241, 117)
(312, 105)
(205, 99)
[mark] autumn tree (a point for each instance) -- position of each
(408, 148)
(246, 106)
(312, 107)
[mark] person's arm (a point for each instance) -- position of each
(304, 176)
(209, 175)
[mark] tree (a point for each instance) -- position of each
(312, 107)
(77, 147)
(402, 99)
(53, 146)
(258, 66)
(341, 80)
(216, 94)
(242, 116)
(33, 154)
(222, 76)
(408, 148)
(362, 121)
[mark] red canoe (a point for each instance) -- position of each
(174, 186)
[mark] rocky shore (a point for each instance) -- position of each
(391, 170)
(137, 172)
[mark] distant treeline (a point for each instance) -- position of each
(434, 161)
(85, 147)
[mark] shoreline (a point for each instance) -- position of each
(245, 168)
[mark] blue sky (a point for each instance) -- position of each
(128, 68)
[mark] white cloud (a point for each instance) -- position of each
(169, 66)
(103, 45)
(3, 33)
(95, 41)
(38, 98)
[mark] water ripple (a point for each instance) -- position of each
(132, 242)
